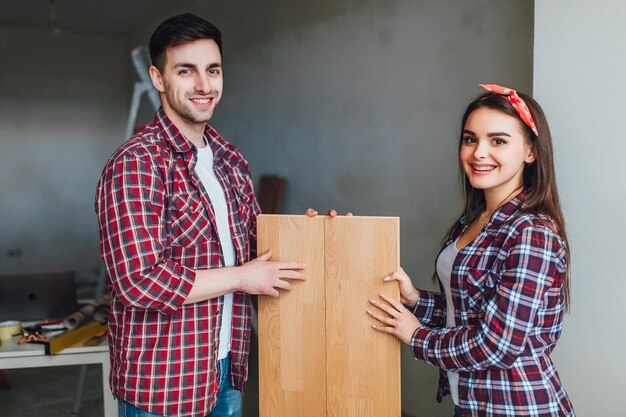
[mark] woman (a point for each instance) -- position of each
(503, 271)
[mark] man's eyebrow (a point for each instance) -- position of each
(190, 65)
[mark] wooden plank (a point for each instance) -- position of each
(76, 336)
(363, 366)
(292, 379)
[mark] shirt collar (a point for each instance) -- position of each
(180, 143)
(504, 213)
(215, 141)
(171, 132)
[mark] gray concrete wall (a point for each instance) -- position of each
(358, 104)
(579, 69)
(63, 106)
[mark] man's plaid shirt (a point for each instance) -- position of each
(157, 227)
(507, 290)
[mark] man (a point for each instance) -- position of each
(177, 218)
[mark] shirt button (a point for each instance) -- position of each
(217, 312)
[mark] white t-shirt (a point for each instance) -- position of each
(444, 271)
(204, 169)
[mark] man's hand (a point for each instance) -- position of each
(332, 213)
(265, 277)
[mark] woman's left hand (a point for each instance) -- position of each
(398, 321)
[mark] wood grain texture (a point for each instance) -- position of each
(292, 379)
(362, 365)
(318, 355)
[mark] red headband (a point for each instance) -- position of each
(517, 103)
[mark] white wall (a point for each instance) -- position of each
(358, 103)
(63, 106)
(579, 70)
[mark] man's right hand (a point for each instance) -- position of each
(265, 277)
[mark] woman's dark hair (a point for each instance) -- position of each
(539, 180)
(178, 30)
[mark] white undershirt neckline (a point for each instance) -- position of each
(206, 172)
(445, 262)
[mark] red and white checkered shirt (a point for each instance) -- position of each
(506, 288)
(157, 227)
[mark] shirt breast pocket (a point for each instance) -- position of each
(189, 223)
(244, 209)
(480, 286)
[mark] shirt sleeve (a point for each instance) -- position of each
(430, 308)
(130, 207)
(496, 341)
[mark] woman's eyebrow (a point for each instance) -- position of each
(492, 134)
(498, 134)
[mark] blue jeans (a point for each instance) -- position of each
(229, 400)
(128, 410)
(457, 411)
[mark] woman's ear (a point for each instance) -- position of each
(530, 156)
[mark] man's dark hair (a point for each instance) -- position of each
(178, 30)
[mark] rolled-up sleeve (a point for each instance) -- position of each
(430, 308)
(535, 258)
(130, 201)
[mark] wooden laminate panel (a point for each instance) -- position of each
(292, 381)
(318, 355)
(362, 365)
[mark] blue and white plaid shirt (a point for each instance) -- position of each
(507, 290)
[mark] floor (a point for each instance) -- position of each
(50, 392)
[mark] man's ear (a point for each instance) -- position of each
(157, 79)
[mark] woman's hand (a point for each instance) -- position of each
(397, 321)
(332, 213)
(408, 293)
